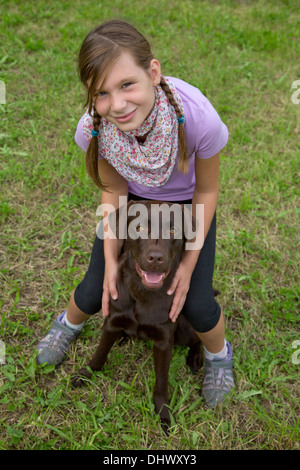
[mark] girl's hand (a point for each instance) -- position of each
(180, 285)
(109, 286)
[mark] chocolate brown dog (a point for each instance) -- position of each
(146, 269)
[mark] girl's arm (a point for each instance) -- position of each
(206, 192)
(116, 186)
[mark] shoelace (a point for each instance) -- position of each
(217, 378)
(52, 340)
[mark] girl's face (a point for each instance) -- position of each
(126, 97)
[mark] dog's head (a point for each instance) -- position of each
(154, 237)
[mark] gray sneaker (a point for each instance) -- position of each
(218, 379)
(54, 346)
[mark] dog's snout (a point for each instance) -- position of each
(155, 257)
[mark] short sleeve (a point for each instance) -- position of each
(214, 133)
(83, 132)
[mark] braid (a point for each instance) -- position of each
(96, 119)
(91, 159)
(183, 157)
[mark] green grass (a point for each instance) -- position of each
(244, 56)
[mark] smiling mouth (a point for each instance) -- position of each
(126, 117)
(151, 279)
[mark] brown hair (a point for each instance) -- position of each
(99, 51)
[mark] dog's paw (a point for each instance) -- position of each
(124, 340)
(195, 359)
(165, 426)
(165, 419)
(78, 379)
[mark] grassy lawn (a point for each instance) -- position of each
(244, 56)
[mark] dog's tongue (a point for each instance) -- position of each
(153, 277)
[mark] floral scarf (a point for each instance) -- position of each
(152, 162)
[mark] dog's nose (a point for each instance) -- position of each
(155, 257)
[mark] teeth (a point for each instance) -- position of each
(150, 277)
(151, 280)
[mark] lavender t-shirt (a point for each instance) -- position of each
(206, 135)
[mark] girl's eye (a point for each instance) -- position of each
(102, 93)
(126, 85)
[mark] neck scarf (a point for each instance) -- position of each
(152, 162)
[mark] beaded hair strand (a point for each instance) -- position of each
(183, 157)
(91, 158)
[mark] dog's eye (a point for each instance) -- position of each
(172, 230)
(139, 228)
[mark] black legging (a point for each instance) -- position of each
(200, 308)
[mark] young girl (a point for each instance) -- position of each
(147, 136)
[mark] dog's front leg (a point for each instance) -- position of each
(162, 358)
(107, 340)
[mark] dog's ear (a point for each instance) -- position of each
(193, 230)
(118, 223)
(117, 220)
(189, 223)
(191, 220)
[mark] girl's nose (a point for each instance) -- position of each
(117, 104)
